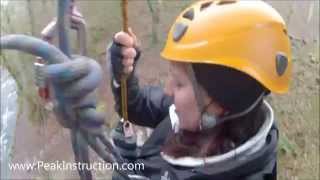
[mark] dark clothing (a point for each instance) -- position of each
(150, 107)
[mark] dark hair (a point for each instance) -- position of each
(234, 91)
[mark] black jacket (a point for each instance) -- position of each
(150, 107)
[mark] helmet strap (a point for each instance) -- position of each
(209, 121)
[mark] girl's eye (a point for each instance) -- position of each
(179, 85)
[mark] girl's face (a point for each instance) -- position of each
(179, 86)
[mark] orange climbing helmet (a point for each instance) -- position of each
(249, 36)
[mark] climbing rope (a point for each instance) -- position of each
(79, 146)
(124, 98)
(81, 135)
(125, 23)
(127, 126)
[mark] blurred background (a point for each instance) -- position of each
(36, 136)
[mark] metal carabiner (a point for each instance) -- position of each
(78, 23)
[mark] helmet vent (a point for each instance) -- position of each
(189, 14)
(225, 2)
(179, 30)
(205, 5)
(281, 63)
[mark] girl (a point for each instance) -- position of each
(210, 121)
